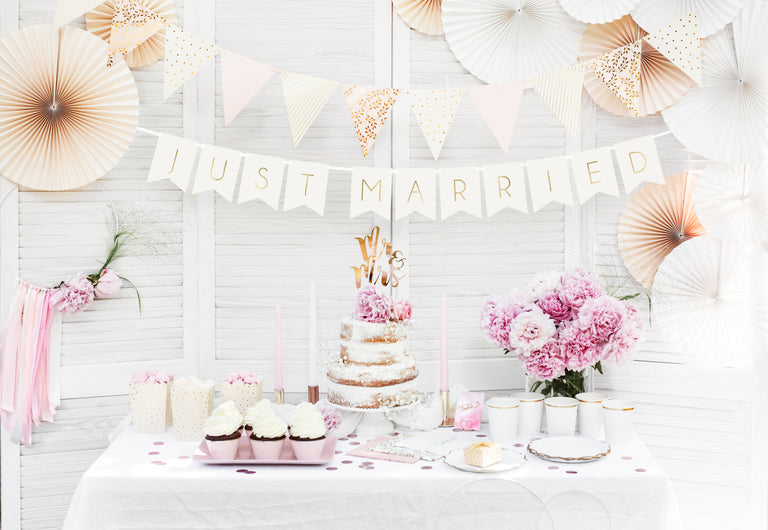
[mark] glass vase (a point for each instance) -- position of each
(568, 385)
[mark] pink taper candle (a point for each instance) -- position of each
(278, 350)
(443, 346)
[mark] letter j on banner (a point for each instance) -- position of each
(174, 159)
(638, 162)
(306, 185)
(371, 191)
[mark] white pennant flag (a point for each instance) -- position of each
(548, 180)
(67, 10)
(679, 42)
(174, 159)
(504, 188)
(262, 178)
(217, 170)
(305, 96)
(371, 191)
(561, 91)
(435, 110)
(593, 173)
(185, 54)
(415, 192)
(306, 185)
(460, 191)
(638, 162)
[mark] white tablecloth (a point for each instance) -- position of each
(150, 481)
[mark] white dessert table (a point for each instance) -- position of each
(150, 481)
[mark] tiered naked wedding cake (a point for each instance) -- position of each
(373, 369)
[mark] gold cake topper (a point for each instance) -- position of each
(380, 263)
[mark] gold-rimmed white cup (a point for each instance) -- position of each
(530, 412)
(619, 420)
(561, 415)
(503, 415)
(591, 414)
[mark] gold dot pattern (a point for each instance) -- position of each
(369, 108)
(185, 54)
(435, 110)
(679, 42)
(620, 71)
(132, 23)
(244, 395)
(191, 406)
(149, 407)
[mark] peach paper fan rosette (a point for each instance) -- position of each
(510, 40)
(713, 14)
(425, 16)
(65, 119)
(711, 299)
(726, 118)
(598, 11)
(661, 82)
(657, 219)
(99, 22)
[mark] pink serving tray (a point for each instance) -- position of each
(245, 455)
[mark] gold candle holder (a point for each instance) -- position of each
(313, 393)
(445, 399)
(279, 398)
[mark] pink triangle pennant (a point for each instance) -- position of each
(369, 108)
(132, 24)
(498, 104)
(241, 80)
(619, 69)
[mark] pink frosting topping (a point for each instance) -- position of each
(243, 378)
(151, 376)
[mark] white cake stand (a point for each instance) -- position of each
(375, 421)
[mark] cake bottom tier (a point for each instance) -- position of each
(373, 397)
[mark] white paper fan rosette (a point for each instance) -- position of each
(508, 40)
(726, 118)
(424, 16)
(711, 299)
(598, 11)
(731, 202)
(713, 14)
(65, 119)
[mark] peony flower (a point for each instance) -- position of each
(74, 295)
(578, 287)
(372, 305)
(601, 316)
(496, 320)
(109, 283)
(531, 330)
(554, 307)
(544, 284)
(579, 347)
(331, 418)
(626, 340)
(546, 363)
(402, 311)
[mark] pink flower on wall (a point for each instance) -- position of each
(74, 295)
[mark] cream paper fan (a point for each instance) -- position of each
(732, 202)
(509, 40)
(713, 14)
(598, 11)
(99, 22)
(657, 218)
(726, 118)
(65, 119)
(424, 16)
(711, 299)
(661, 82)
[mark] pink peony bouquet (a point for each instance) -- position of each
(560, 325)
(373, 305)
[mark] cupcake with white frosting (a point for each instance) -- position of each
(307, 432)
(222, 431)
(268, 431)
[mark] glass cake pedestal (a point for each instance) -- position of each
(375, 421)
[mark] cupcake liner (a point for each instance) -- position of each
(267, 449)
(308, 449)
(223, 449)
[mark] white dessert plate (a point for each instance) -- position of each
(245, 455)
(509, 460)
(569, 449)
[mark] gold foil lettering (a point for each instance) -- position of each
(306, 183)
(366, 185)
(223, 170)
(173, 166)
(457, 193)
(549, 180)
(376, 252)
(505, 189)
(590, 172)
(632, 162)
(415, 189)
(263, 174)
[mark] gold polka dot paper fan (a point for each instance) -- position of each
(99, 22)
(713, 14)
(425, 16)
(65, 119)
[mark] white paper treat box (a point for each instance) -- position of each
(191, 406)
(150, 407)
(244, 395)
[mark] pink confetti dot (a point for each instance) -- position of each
(553, 467)
(640, 470)
(353, 435)
(183, 457)
(571, 472)
(153, 453)
(626, 458)
(158, 443)
(346, 461)
(249, 472)
(331, 468)
(367, 463)
(337, 452)
(456, 430)
(158, 462)
(343, 439)
(241, 470)
(354, 443)
(518, 445)
(481, 435)
(426, 467)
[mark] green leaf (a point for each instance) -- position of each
(630, 296)
(599, 367)
(536, 385)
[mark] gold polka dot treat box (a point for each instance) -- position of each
(149, 391)
(192, 401)
(243, 388)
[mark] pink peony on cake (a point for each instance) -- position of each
(373, 369)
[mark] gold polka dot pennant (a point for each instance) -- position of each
(185, 54)
(435, 110)
(620, 71)
(679, 42)
(132, 24)
(369, 108)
